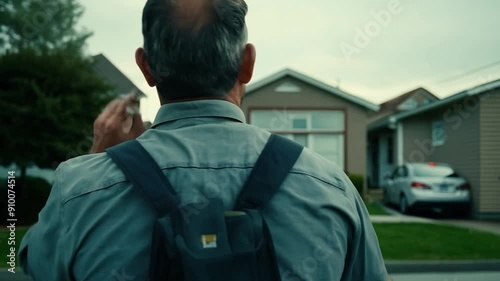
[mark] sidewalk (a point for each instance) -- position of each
(400, 219)
(396, 217)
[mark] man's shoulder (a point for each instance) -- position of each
(86, 174)
(314, 165)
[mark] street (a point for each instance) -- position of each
(457, 276)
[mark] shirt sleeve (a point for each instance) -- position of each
(40, 250)
(364, 261)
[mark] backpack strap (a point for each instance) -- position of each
(143, 172)
(271, 169)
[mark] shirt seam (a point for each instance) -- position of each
(117, 180)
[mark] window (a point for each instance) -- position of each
(425, 170)
(400, 172)
(320, 130)
(404, 172)
(408, 104)
(288, 87)
(438, 133)
(395, 173)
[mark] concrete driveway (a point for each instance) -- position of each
(486, 226)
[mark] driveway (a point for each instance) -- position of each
(397, 217)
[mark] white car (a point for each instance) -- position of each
(427, 186)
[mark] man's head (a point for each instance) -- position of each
(196, 48)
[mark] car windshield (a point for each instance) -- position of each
(425, 170)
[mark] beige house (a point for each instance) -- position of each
(462, 130)
(314, 114)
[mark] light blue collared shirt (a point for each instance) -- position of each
(96, 226)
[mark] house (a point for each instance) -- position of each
(404, 102)
(105, 69)
(314, 114)
(462, 130)
(381, 157)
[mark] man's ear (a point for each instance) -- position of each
(142, 62)
(247, 64)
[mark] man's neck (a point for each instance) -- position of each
(233, 97)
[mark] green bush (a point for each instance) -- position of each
(28, 203)
(358, 181)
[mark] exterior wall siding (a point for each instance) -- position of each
(313, 98)
(461, 147)
(490, 153)
(416, 139)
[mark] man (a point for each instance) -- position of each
(97, 226)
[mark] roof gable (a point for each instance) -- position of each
(111, 74)
(408, 101)
(313, 82)
(483, 88)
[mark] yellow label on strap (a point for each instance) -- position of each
(209, 241)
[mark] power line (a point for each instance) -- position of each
(451, 78)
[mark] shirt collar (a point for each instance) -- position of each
(200, 108)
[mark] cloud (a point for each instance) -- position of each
(427, 41)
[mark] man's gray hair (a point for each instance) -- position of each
(194, 61)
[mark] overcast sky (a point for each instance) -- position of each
(375, 49)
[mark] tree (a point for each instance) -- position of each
(49, 93)
(47, 107)
(41, 25)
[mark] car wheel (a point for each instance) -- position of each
(403, 204)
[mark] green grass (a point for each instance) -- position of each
(398, 241)
(375, 209)
(5, 248)
(415, 241)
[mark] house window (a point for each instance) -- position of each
(438, 133)
(288, 87)
(408, 104)
(323, 131)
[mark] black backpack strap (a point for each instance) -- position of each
(270, 171)
(143, 172)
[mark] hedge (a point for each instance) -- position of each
(28, 203)
(358, 181)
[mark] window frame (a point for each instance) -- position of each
(309, 132)
(435, 125)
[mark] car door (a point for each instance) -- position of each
(404, 180)
(398, 184)
(390, 185)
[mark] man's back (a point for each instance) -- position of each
(97, 226)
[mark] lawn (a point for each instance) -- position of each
(375, 209)
(416, 241)
(4, 247)
(398, 241)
